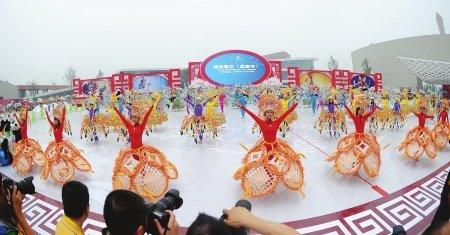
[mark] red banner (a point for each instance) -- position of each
(275, 69)
(194, 71)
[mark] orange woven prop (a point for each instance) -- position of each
(26, 153)
(261, 170)
(417, 141)
(355, 150)
(441, 134)
(145, 171)
(62, 160)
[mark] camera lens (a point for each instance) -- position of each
(172, 200)
(26, 185)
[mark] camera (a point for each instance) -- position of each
(25, 186)
(171, 201)
(239, 231)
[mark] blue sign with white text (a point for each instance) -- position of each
(235, 67)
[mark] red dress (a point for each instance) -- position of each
(357, 149)
(26, 152)
(63, 158)
(270, 161)
(441, 132)
(142, 168)
(419, 140)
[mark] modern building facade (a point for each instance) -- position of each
(383, 57)
(8, 91)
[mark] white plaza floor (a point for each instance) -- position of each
(205, 170)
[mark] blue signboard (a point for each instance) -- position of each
(363, 80)
(150, 83)
(235, 67)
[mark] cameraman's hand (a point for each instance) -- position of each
(16, 199)
(241, 217)
(173, 228)
(237, 216)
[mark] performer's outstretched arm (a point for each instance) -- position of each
(189, 102)
(124, 120)
(350, 112)
(144, 121)
(285, 114)
(370, 113)
(254, 116)
(48, 119)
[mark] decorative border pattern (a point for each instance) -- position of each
(413, 207)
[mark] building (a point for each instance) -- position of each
(287, 61)
(8, 91)
(386, 58)
(383, 57)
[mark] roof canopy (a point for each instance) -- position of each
(431, 72)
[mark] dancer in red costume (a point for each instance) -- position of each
(358, 148)
(26, 151)
(441, 132)
(141, 168)
(419, 139)
(62, 156)
(270, 160)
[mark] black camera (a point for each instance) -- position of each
(242, 230)
(25, 186)
(171, 201)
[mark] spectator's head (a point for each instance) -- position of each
(124, 213)
(75, 198)
(208, 225)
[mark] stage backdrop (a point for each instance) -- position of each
(334, 78)
(145, 82)
(233, 67)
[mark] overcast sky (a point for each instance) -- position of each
(42, 38)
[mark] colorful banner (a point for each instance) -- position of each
(194, 71)
(321, 79)
(150, 83)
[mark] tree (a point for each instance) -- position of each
(365, 66)
(100, 74)
(33, 89)
(70, 75)
(333, 63)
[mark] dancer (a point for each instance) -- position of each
(62, 156)
(141, 168)
(26, 152)
(397, 118)
(270, 160)
(419, 139)
(222, 100)
(358, 148)
(441, 132)
(197, 123)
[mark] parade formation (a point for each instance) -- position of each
(271, 160)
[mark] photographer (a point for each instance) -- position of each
(124, 213)
(75, 198)
(12, 219)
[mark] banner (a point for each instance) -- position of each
(87, 87)
(145, 83)
(319, 78)
(275, 69)
(194, 71)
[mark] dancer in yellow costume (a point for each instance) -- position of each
(158, 116)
